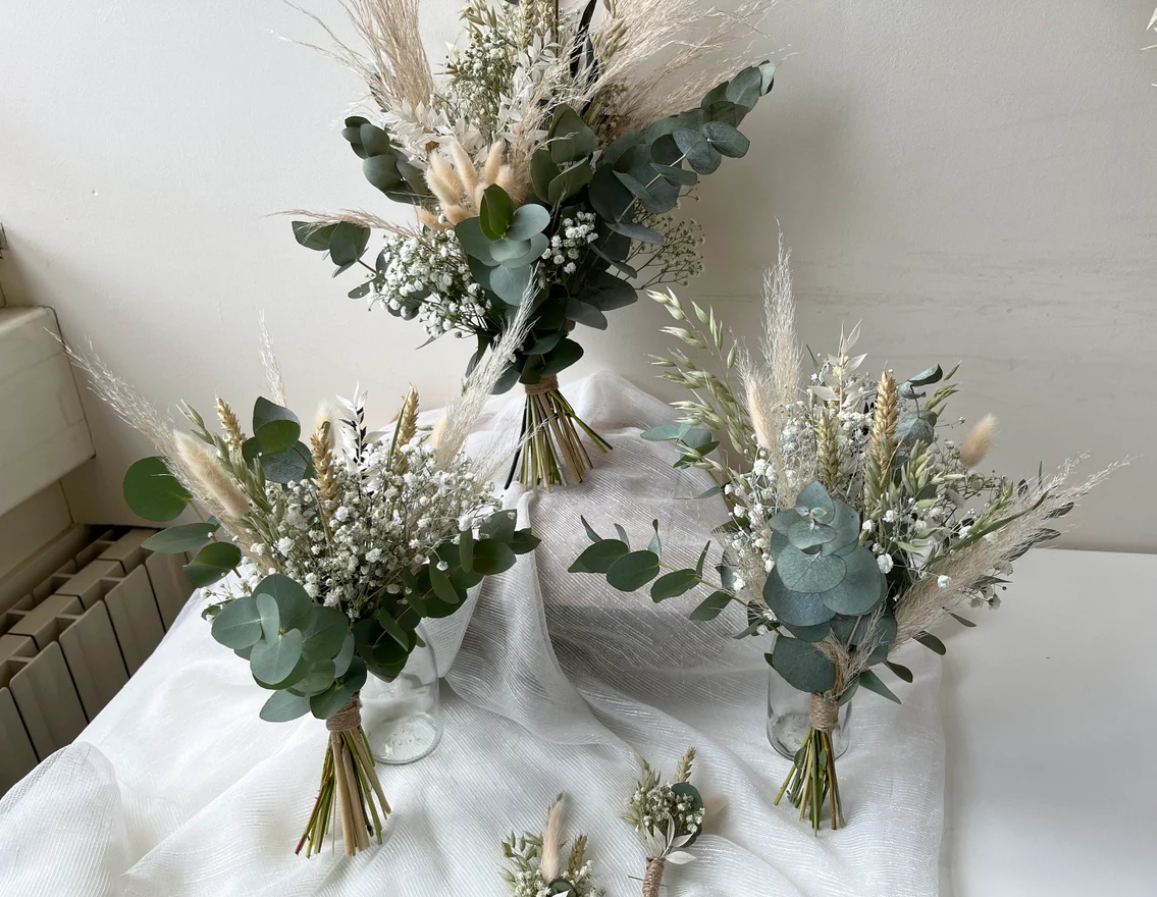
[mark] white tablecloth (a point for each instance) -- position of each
(177, 788)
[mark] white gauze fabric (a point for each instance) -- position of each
(178, 788)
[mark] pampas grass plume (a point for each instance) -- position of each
(978, 441)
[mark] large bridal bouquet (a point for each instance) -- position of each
(857, 520)
(341, 540)
(544, 159)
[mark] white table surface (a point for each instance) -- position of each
(1050, 716)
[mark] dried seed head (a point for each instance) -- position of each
(978, 441)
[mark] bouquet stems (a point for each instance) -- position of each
(350, 788)
(553, 453)
(812, 780)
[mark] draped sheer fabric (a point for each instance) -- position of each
(554, 680)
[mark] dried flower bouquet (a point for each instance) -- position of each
(340, 548)
(853, 526)
(539, 864)
(668, 817)
(545, 159)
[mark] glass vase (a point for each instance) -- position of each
(789, 719)
(402, 716)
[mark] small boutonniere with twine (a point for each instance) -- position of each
(535, 862)
(668, 817)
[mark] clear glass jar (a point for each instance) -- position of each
(789, 718)
(402, 717)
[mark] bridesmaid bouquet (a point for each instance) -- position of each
(340, 547)
(856, 521)
(544, 160)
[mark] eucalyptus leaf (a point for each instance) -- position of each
(212, 563)
(726, 139)
(180, 539)
(569, 182)
(275, 428)
(270, 618)
(582, 313)
(528, 220)
(598, 558)
(325, 635)
(803, 665)
(633, 570)
(869, 680)
(496, 212)
(673, 584)
(932, 643)
(347, 243)
(510, 284)
(152, 491)
(862, 586)
(283, 706)
(473, 241)
(711, 607)
(900, 670)
(273, 661)
(295, 607)
(491, 557)
(238, 624)
(802, 572)
(814, 499)
(795, 608)
(700, 155)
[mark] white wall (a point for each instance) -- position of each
(974, 180)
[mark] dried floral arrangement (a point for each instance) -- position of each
(340, 548)
(535, 865)
(853, 526)
(667, 816)
(544, 159)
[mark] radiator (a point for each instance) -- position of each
(69, 645)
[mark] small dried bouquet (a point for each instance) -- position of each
(543, 161)
(667, 816)
(539, 865)
(342, 542)
(857, 521)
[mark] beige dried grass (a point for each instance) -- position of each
(668, 53)
(394, 66)
(979, 440)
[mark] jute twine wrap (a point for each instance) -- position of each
(825, 713)
(654, 877)
(348, 718)
(545, 385)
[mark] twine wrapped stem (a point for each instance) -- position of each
(653, 879)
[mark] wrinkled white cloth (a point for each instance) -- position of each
(178, 788)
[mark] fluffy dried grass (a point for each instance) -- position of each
(926, 605)
(662, 68)
(772, 381)
(458, 420)
(359, 217)
(394, 67)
